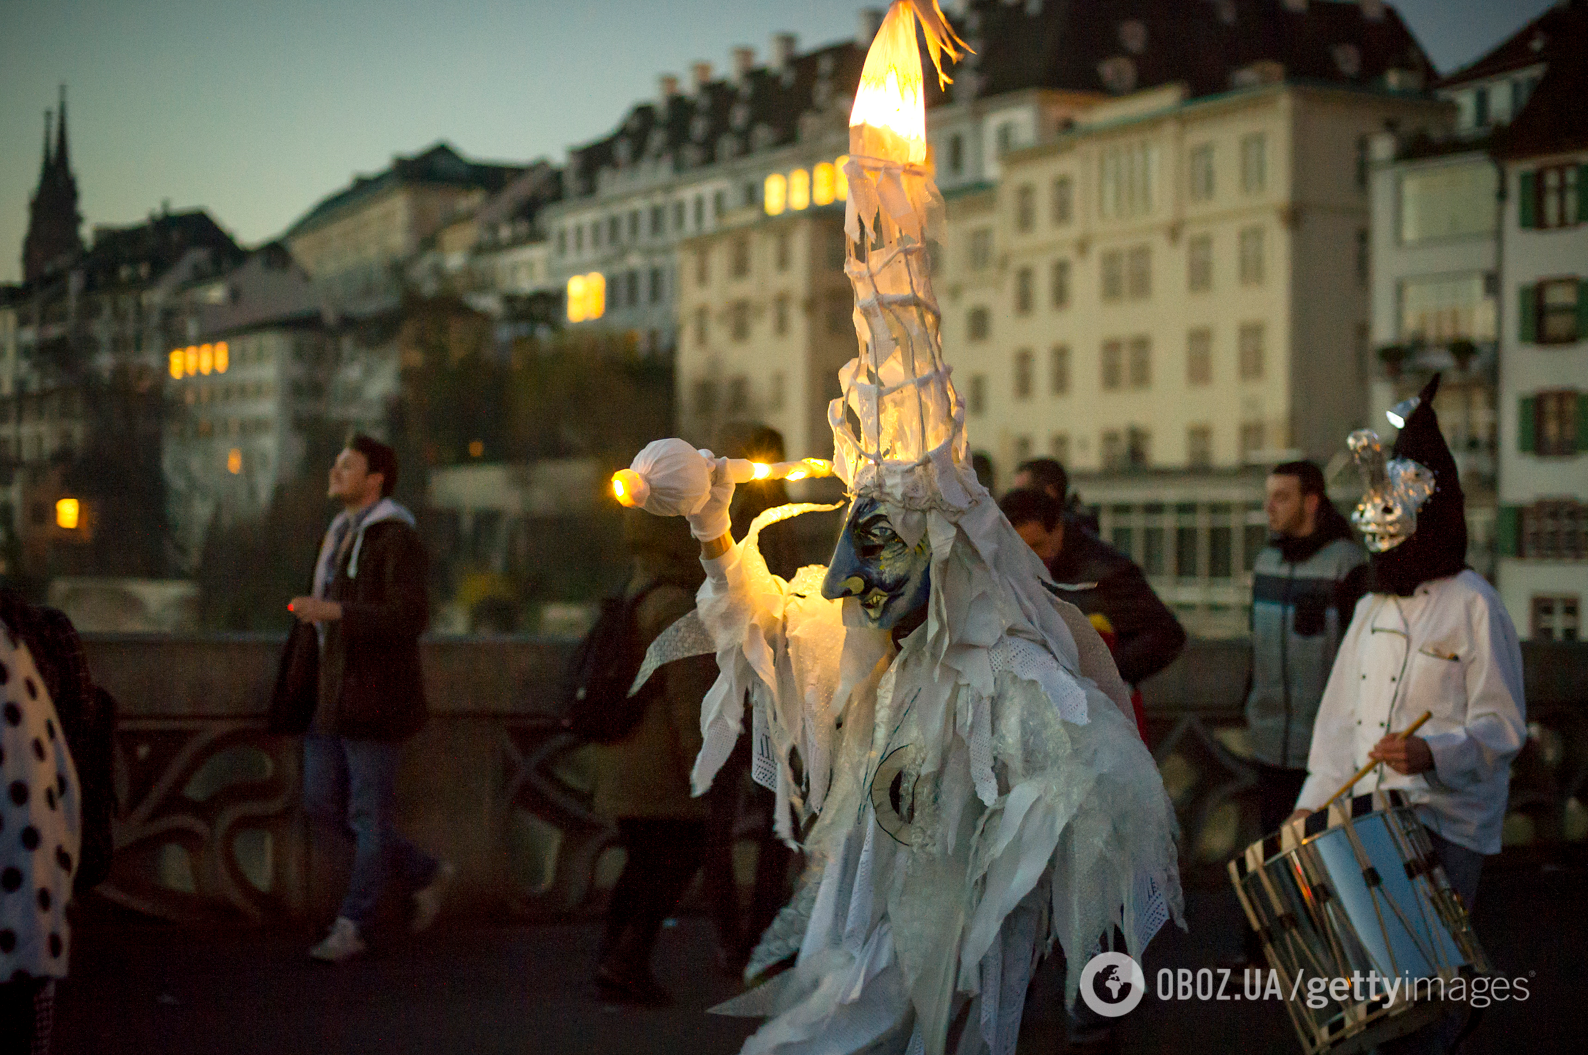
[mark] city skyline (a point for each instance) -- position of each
(271, 118)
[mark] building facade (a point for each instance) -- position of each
(1543, 402)
(1169, 296)
(355, 243)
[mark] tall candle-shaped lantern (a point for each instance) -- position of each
(899, 427)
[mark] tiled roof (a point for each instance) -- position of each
(165, 239)
(1555, 118)
(439, 164)
(1119, 46)
(724, 118)
(1520, 50)
(1113, 46)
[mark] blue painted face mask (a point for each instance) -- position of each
(872, 563)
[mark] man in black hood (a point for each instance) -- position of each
(1433, 637)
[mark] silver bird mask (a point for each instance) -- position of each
(1393, 492)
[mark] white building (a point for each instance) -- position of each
(1543, 567)
(243, 392)
(1169, 296)
(1435, 308)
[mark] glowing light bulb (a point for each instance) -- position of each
(630, 488)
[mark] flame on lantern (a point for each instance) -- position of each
(891, 96)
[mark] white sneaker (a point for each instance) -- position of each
(343, 943)
(427, 902)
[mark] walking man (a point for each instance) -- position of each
(1105, 584)
(350, 680)
(1305, 585)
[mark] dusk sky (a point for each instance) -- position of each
(257, 110)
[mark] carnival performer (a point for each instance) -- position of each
(956, 742)
(1432, 635)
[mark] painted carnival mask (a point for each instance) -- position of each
(872, 563)
(1393, 492)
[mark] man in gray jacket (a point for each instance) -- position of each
(1305, 586)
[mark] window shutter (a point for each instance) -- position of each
(1582, 422)
(1527, 313)
(1527, 198)
(1526, 431)
(1582, 309)
(1507, 530)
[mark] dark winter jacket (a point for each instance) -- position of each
(1101, 581)
(363, 681)
(1303, 593)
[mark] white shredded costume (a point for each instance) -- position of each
(1022, 804)
(966, 799)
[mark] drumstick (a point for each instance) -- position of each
(1365, 770)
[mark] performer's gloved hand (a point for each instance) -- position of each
(711, 521)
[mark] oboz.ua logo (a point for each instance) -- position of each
(1112, 984)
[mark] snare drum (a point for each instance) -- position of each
(1352, 892)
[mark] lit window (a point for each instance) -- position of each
(178, 360)
(67, 511)
(841, 177)
(587, 297)
(576, 299)
(776, 194)
(799, 190)
(824, 184)
(191, 355)
(223, 357)
(206, 358)
(234, 461)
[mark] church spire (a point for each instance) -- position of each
(61, 159)
(53, 237)
(44, 167)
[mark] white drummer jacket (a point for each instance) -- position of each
(1449, 649)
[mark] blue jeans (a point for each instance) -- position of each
(348, 786)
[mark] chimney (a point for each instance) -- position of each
(870, 22)
(702, 74)
(668, 85)
(783, 45)
(743, 63)
(1373, 10)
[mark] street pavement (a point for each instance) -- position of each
(471, 987)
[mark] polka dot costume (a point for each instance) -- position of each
(39, 822)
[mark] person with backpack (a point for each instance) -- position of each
(642, 782)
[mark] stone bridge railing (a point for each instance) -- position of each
(210, 830)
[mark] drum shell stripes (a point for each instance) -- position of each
(1357, 891)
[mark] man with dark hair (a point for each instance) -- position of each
(1049, 475)
(1044, 474)
(1102, 582)
(1305, 585)
(350, 680)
